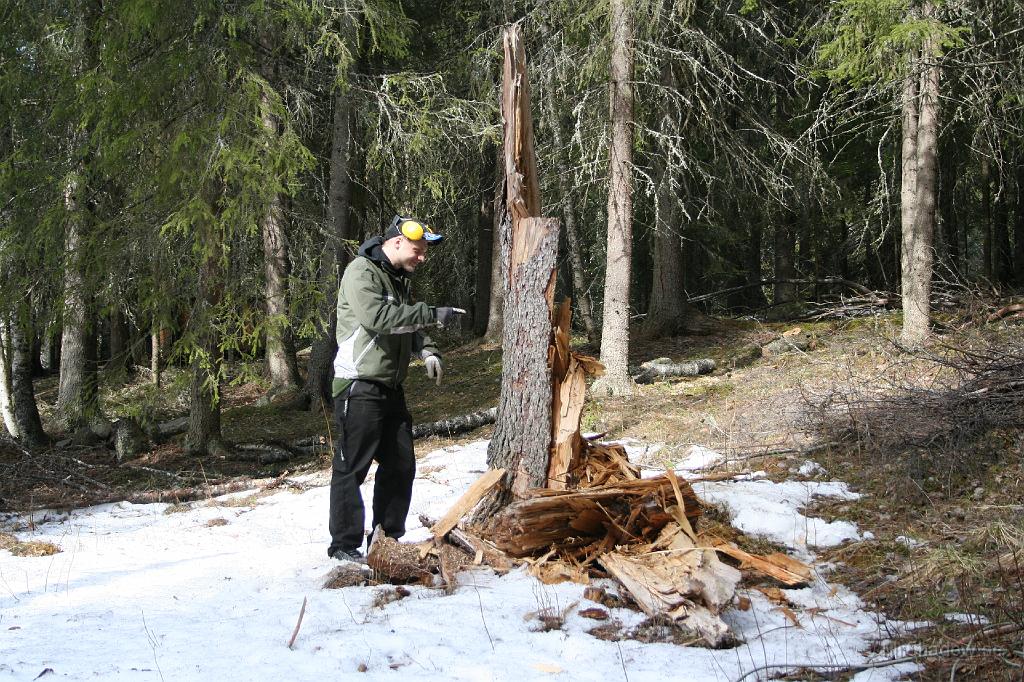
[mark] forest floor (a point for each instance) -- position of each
(939, 539)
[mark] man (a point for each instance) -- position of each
(378, 332)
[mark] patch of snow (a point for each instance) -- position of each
(868, 535)
(772, 510)
(639, 451)
(699, 457)
(908, 541)
(140, 594)
(810, 468)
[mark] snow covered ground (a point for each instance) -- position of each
(213, 593)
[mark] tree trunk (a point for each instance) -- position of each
(485, 227)
(500, 249)
(320, 370)
(1018, 223)
(947, 211)
(785, 259)
(49, 353)
(668, 312)
(986, 218)
(920, 153)
(581, 293)
(120, 352)
(1001, 249)
(23, 396)
(618, 271)
(281, 364)
(77, 392)
(6, 388)
(204, 434)
(522, 434)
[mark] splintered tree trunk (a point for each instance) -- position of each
(522, 434)
(618, 269)
(921, 126)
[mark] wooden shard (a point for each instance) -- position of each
(569, 373)
(469, 499)
(685, 583)
(783, 568)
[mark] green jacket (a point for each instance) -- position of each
(378, 322)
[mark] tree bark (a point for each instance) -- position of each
(522, 435)
(921, 120)
(618, 271)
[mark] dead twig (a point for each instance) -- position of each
(298, 624)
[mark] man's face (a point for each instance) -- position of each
(409, 253)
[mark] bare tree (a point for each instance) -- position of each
(615, 324)
(918, 194)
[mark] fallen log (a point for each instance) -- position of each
(1004, 312)
(456, 425)
(263, 453)
(661, 369)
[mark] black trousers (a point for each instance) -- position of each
(373, 423)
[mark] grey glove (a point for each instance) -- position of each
(446, 315)
(435, 370)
